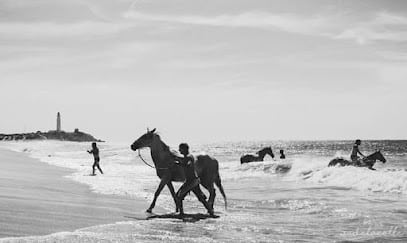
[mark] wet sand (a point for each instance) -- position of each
(36, 199)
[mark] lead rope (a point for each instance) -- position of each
(139, 155)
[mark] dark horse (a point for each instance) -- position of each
(369, 161)
(260, 157)
(207, 168)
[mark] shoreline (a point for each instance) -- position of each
(37, 199)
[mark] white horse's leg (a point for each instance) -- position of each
(163, 182)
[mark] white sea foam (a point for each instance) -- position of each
(262, 195)
(316, 170)
(125, 174)
(362, 179)
(129, 231)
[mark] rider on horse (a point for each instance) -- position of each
(355, 151)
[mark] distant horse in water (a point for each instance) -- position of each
(167, 170)
(369, 161)
(254, 158)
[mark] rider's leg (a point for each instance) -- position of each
(202, 198)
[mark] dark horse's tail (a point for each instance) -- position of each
(219, 185)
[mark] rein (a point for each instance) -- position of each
(141, 157)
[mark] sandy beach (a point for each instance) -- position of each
(36, 199)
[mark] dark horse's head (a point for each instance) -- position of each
(266, 150)
(376, 156)
(379, 156)
(145, 140)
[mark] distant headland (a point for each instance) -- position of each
(58, 134)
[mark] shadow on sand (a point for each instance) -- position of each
(186, 217)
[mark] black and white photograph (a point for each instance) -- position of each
(203, 121)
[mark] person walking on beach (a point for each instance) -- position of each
(355, 151)
(282, 155)
(191, 179)
(95, 152)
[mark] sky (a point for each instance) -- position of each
(205, 70)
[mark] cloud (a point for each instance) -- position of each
(40, 30)
(386, 18)
(363, 35)
(286, 22)
(384, 26)
(380, 26)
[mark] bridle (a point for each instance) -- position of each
(149, 165)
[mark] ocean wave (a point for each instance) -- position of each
(234, 170)
(130, 231)
(315, 170)
(362, 179)
(125, 174)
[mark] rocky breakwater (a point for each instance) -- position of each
(76, 136)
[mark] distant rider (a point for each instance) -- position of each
(191, 179)
(95, 152)
(355, 151)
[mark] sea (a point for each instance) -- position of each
(298, 199)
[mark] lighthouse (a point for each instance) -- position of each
(58, 122)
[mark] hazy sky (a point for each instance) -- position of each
(205, 71)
